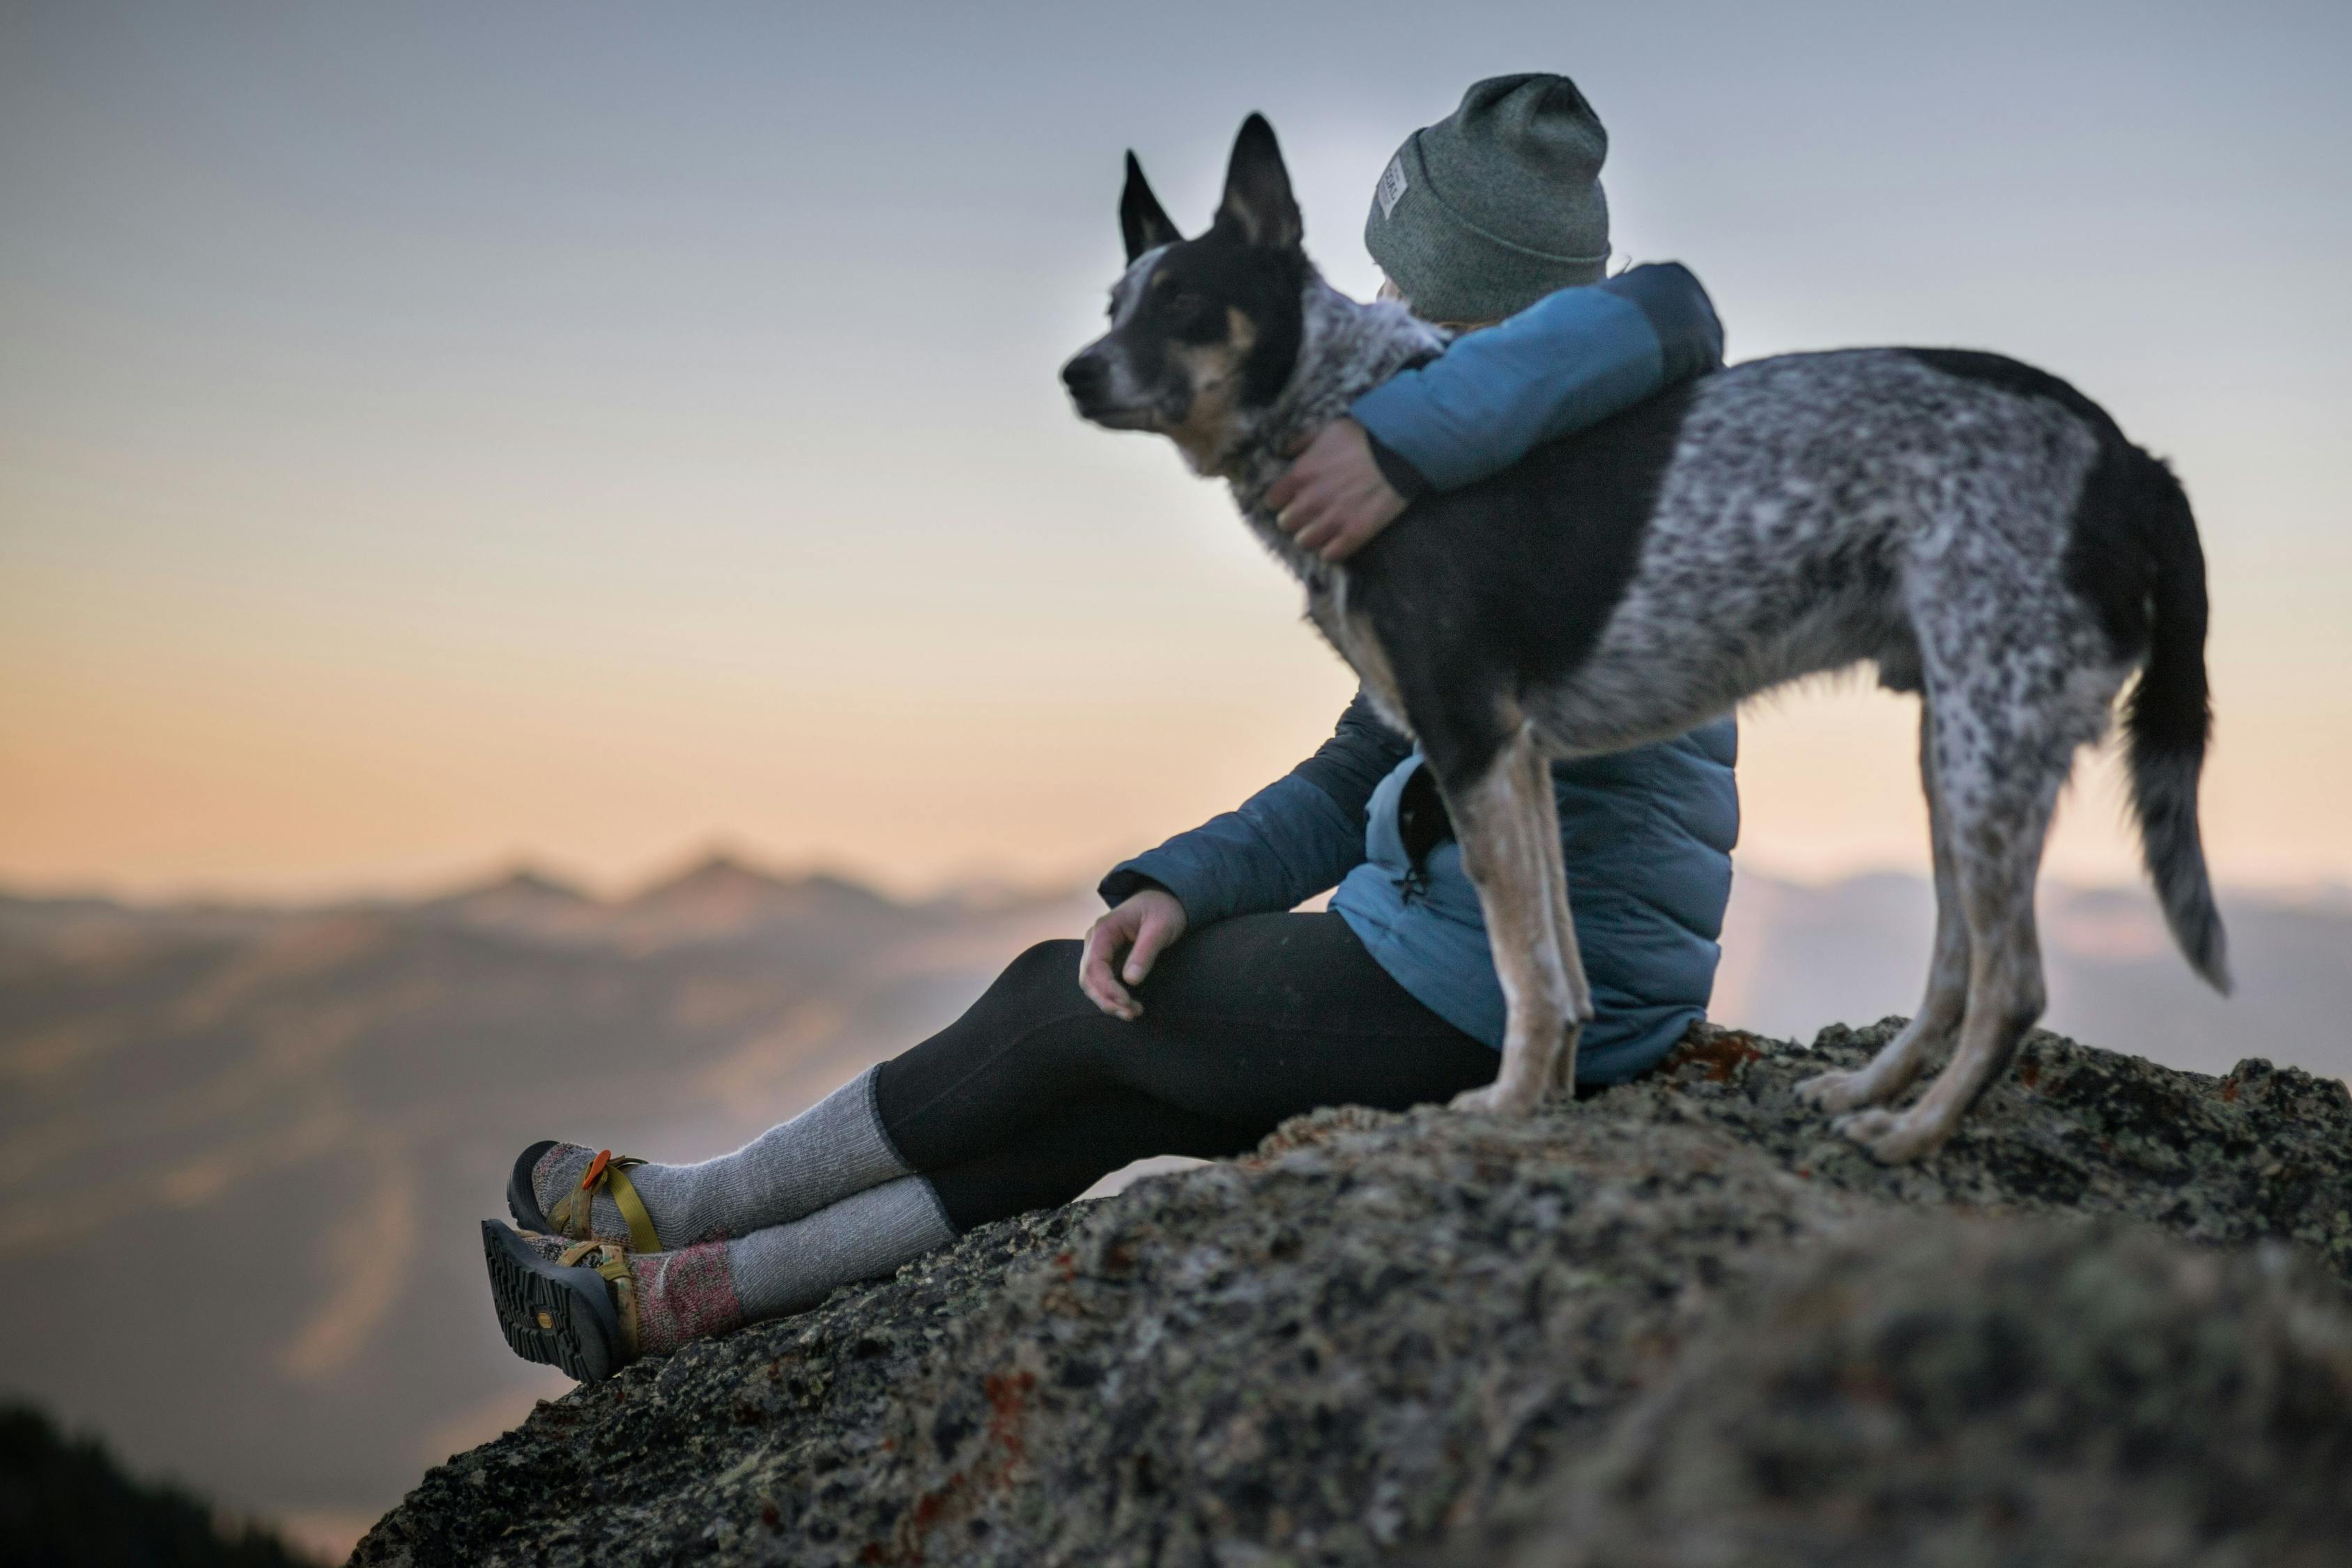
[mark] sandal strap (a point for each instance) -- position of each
(610, 1261)
(633, 1207)
(570, 1214)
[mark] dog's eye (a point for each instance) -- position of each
(1185, 302)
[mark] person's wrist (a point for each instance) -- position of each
(1401, 477)
(1124, 882)
(1162, 897)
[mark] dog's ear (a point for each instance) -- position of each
(1258, 203)
(1141, 221)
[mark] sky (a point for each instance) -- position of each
(434, 436)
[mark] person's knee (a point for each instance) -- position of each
(1045, 974)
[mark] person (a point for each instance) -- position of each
(1204, 1009)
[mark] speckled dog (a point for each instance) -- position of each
(1980, 530)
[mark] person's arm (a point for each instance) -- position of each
(1289, 841)
(1572, 359)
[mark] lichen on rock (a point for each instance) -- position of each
(1392, 1336)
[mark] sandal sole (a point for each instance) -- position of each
(521, 1201)
(556, 1316)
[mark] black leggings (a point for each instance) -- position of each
(1035, 1093)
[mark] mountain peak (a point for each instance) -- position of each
(522, 900)
(722, 894)
(525, 881)
(720, 870)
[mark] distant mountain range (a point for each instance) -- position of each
(246, 1146)
(1797, 957)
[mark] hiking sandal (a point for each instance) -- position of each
(570, 1215)
(576, 1310)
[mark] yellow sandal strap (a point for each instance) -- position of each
(633, 1207)
(570, 1215)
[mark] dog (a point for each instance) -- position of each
(1975, 527)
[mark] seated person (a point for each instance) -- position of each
(1202, 1010)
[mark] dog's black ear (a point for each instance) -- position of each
(1141, 222)
(1258, 190)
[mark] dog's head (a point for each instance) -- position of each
(1204, 332)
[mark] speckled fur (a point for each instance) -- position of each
(1822, 509)
(1825, 509)
(1919, 510)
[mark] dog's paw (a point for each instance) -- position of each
(1495, 1099)
(1834, 1091)
(1892, 1140)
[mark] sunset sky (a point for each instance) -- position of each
(435, 436)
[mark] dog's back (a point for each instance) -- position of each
(1813, 504)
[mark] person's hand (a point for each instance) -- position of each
(1145, 923)
(1333, 497)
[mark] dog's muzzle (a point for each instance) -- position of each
(1091, 382)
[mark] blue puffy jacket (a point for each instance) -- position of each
(1647, 833)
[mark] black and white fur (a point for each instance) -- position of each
(1976, 529)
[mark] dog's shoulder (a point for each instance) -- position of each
(1528, 563)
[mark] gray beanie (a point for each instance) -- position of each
(1496, 205)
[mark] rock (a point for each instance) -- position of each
(1453, 1337)
(1937, 1391)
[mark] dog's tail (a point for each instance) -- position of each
(2169, 719)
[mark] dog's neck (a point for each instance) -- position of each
(1346, 348)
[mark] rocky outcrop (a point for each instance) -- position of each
(1674, 1323)
(1944, 1392)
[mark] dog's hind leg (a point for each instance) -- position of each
(1507, 822)
(1903, 1059)
(2000, 764)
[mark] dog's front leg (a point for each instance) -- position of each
(1563, 924)
(1508, 827)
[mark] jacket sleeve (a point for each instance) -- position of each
(1286, 843)
(1571, 359)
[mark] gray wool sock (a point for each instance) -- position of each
(792, 1267)
(834, 1149)
(716, 1287)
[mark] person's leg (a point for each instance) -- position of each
(1053, 1162)
(1034, 1094)
(1245, 1023)
(784, 1269)
(789, 1268)
(685, 1293)
(833, 1149)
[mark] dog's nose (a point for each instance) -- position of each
(1086, 376)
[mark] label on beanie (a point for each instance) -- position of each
(1392, 186)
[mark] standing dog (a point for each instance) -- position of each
(1979, 529)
